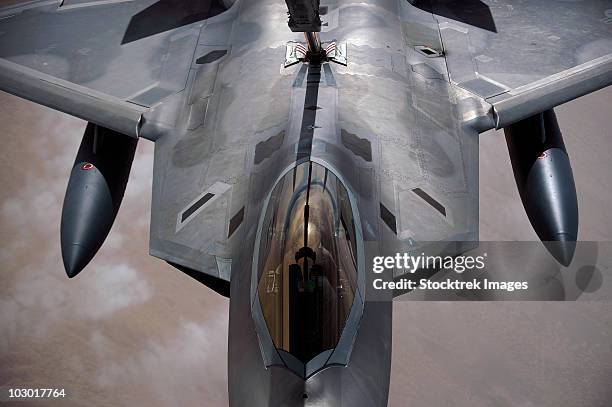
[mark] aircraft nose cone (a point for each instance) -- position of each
(563, 248)
(75, 258)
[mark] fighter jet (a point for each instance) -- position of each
(293, 139)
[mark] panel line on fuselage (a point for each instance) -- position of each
(313, 80)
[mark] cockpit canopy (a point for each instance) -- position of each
(307, 262)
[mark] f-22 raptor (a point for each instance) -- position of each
(292, 139)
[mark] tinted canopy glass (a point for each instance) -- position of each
(307, 261)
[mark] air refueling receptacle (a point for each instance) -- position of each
(304, 17)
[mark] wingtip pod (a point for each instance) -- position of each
(545, 182)
(94, 193)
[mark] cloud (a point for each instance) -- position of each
(124, 284)
(41, 300)
(186, 368)
(36, 294)
(127, 330)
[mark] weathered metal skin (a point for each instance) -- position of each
(309, 134)
(385, 128)
(365, 120)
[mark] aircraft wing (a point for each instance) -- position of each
(114, 63)
(107, 62)
(521, 57)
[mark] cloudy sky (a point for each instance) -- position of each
(131, 330)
